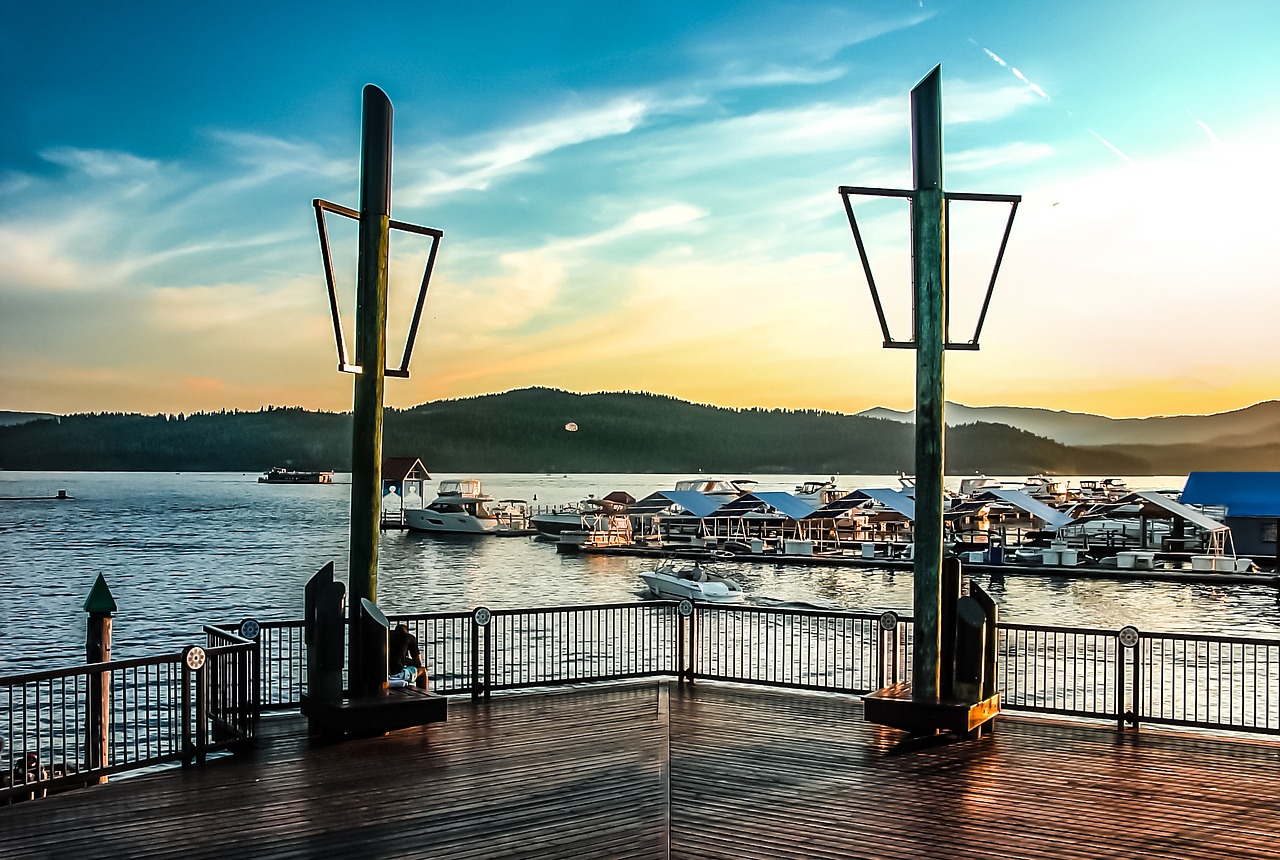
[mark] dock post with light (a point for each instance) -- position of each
(368, 707)
(929, 703)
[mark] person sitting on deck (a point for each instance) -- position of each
(404, 661)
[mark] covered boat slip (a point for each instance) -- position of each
(879, 522)
(653, 770)
(1250, 505)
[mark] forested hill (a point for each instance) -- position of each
(525, 431)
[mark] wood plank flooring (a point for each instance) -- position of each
(654, 770)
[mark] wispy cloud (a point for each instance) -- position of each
(101, 164)
(477, 163)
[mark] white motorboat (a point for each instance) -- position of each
(819, 493)
(462, 507)
(582, 515)
(678, 581)
(717, 488)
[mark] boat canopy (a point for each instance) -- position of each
(1191, 515)
(895, 500)
(1243, 494)
(696, 504)
(838, 507)
(1053, 518)
(766, 503)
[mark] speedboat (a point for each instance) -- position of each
(462, 507)
(554, 522)
(679, 581)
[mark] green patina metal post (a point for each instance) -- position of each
(930, 703)
(928, 245)
(367, 672)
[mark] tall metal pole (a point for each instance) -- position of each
(367, 671)
(928, 231)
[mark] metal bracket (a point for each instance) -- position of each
(846, 191)
(344, 363)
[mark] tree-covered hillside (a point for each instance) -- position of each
(525, 431)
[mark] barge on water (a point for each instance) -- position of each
(280, 475)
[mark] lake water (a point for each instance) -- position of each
(183, 550)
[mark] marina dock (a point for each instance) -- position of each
(650, 769)
(1162, 574)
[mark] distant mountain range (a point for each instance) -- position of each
(527, 431)
(1238, 428)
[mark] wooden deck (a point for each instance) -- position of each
(653, 770)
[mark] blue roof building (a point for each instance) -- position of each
(1251, 501)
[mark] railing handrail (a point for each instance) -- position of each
(88, 669)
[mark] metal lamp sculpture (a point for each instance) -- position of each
(367, 671)
(931, 338)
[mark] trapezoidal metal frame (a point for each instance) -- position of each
(344, 362)
(847, 191)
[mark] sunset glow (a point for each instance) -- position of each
(640, 198)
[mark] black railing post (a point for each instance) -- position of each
(195, 660)
(1128, 639)
(251, 698)
(255, 689)
(475, 659)
(481, 619)
(188, 751)
(682, 631)
(488, 661)
(202, 712)
(1121, 656)
(882, 657)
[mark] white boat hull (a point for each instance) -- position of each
(671, 586)
(425, 520)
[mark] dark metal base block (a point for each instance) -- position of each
(894, 706)
(394, 709)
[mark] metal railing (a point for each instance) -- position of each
(180, 707)
(1216, 682)
(804, 649)
(1125, 676)
(229, 710)
(76, 726)
(516, 648)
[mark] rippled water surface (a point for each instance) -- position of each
(182, 550)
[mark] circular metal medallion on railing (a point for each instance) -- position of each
(482, 616)
(1128, 636)
(249, 629)
(685, 607)
(888, 621)
(194, 658)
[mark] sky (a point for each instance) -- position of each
(639, 197)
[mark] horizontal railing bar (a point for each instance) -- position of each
(1211, 637)
(88, 669)
(591, 607)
